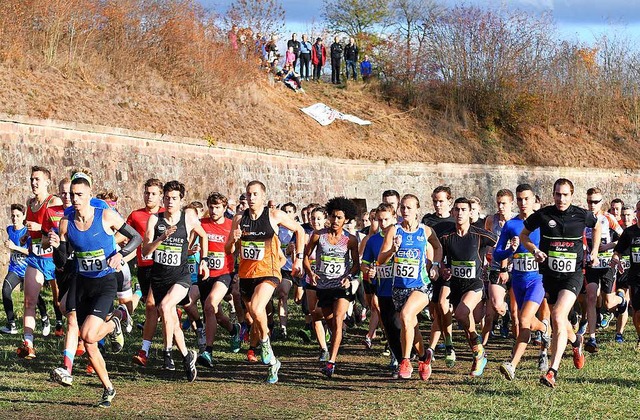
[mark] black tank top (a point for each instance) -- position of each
(170, 258)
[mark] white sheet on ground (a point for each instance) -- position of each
(326, 115)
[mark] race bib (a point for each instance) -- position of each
(91, 261)
(524, 261)
(406, 267)
(463, 269)
(332, 266)
(17, 257)
(604, 259)
(626, 261)
(253, 250)
(216, 260)
(562, 262)
(36, 248)
(635, 254)
(385, 271)
(167, 255)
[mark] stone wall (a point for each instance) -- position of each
(122, 160)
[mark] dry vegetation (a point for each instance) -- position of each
(164, 66)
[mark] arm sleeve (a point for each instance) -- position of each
(134, 239)
(500, 253)
(623, 243)
(60, 255)
(532, 222)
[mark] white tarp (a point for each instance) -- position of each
(325, 115)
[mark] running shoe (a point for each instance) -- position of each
(441, 348)
(266, 352)
(117, 338)
(251, 356)
(235, 340)
(202, 339)
(591, 345)
(545, 337)
(363, 315)
(62, 376)
(478, 365)
(305, 335)
(582, 328)
(205, 359)
(126, 318)
(107, 397)
(508, 371)
(9, 329)
(622, 307)
(168, 362)
(578, 355)
(328, 369)
(548, 379)
(405, 369)
(367, 343)
(536, 338)
(619, 338)
(450, 358)
(504, 328)
(424, 366)
(272, 376)
(324, 355)
(25, 351)
(90, 370)
(189, 364)
(387, 350)
(543, 362)
(606, 320)
(46, 327)
(59, 330)
(140, 358)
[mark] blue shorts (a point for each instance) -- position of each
(527, 288)
(43, 265)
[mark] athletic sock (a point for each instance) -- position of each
(552, 370)
(146, 345)
(199, 323)
(576, 343)
(273, 361)
(138, 293)
(67, 359)
(29, 339)
(448, 342)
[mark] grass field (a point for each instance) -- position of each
(361, 388)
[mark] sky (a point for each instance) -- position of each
(576, 19)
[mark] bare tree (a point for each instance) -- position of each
(355, 17)
(263, 16)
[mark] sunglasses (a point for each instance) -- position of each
(594, 201)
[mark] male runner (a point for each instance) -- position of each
(627, 219)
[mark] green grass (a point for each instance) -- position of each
(361, 388)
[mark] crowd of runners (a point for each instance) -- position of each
(549, 275)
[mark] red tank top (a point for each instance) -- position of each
(219, 261)
(39, 217)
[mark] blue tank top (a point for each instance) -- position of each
(93, 247)
(410, 261)
(17, 260)
(384, 273)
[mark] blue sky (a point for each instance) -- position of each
(576, 19)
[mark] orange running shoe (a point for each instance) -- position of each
(405, 369)
(25, 351)
(80, 350)
(548, 379)
(251, 356)
(578, 355)
(424, 366)
(140, 358)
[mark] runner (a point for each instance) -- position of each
(287, 243)
(600, 277)
(526, 281)
(627, 219)
(167, 238)
(407, 243)
(139, 219)
(40, 266)
(476, 207)
(560, 258)
(216, 286)
(629, 246)
(464, 258)
(337, 263)
(254, 234)
(370, 283)
(91, 234)
(615, 209)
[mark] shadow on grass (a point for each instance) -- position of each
(52, 402)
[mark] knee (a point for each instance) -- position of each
(592, 292)
(407, 319)
(209, 309)
(462, 313)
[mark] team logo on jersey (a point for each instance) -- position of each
(420, 238)
(162, 228)
(552, 224)
(408, 253)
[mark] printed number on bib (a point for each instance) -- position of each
(626, 261)
(167, 255)
(193, 268)
(562, 262)
(216, 260)
(463, 269)
(36, 248)
(385, 271)
(524, 262)
(91, 261)
(18, 257)
(332, 266)
(604, 259)
(408, 268)
(635, 255)
(253, 250)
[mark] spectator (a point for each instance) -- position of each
(351, 58)
(336, 58)
(305, 57)
(365, 68)
(291, 79)
(276, 69)
(318, 58)
(290, 57)
(232, 35)
(272, 49)
(295, 44)
(260, 46)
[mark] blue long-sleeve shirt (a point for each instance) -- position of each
(523, 264)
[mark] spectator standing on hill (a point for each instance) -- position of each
(365, 68)
(351, 58)
(305, 57)
(318, 58)
(271, 49)
(295, 44)
(260, 46)
(336, 58)
(232, 36)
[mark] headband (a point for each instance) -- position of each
(82, 175)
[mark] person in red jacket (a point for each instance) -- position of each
(318, 58)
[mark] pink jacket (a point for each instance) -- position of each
(289, 57)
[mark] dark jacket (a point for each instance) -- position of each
(295, 45)
(351, 52)
(336, 50)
